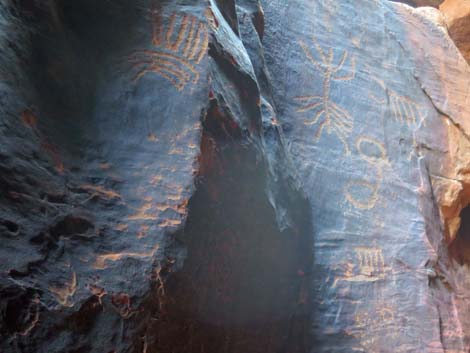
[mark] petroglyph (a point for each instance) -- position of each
(369, 266)
(102, 261)
(372, 326)
(327, 114)
(404, 110)
(363, 194)
(179, 47)
(370, 261)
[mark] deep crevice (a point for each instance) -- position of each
(18, 309)
(245, 285)
(459, 249)
(10, 226)
(71, 225)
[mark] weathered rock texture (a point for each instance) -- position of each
(417, 3)
(209, 176)
(457, 15)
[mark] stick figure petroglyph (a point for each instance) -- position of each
(328, 114)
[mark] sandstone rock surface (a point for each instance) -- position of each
(457, 14)
(416, 3)
(208, 176)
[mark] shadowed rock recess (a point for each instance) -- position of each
(234, 176)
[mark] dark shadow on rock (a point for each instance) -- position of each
(459, 249)
(245, 284)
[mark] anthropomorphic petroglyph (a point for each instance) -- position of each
(327, 114)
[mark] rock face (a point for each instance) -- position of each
(374, 113)
(233, 176)
(457, 14)
(417, 3)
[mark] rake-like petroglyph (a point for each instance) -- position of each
(404, 110)
(179, 47)
(370, 261)
(369, 267)
(327, 114)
